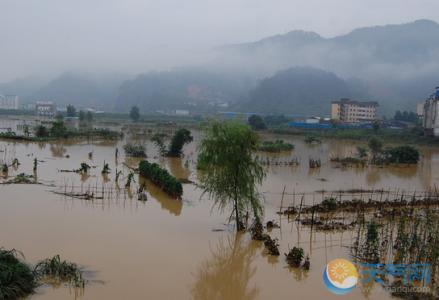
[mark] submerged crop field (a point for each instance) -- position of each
(83, 223)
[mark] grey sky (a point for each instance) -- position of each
(50, 36)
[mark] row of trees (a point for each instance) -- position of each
(88, 116)
(83, 116)
(406, 116)
(257, 122)
(161, 178)
(58, 129)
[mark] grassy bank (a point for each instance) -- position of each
(405, 136)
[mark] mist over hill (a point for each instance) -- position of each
(302, 91)
(396, 65)
(198, 89)
(298, 72)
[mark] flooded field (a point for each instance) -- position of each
(183, 249)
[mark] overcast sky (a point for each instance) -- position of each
(50, 36)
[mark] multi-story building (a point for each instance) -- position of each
(9, 102)
(420, 109)
(431, 114)
(349, 111)
(45, 109)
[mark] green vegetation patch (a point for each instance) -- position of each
(16, 278)
(161, 177)
(134, 150)
(275, 146)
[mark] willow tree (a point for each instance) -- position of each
(229, 171)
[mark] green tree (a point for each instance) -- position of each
(135, 113)
(230, 171)
(58, 129)
(41, 131)
(376, 126)
(71, 111)
(376, 146)
(180, 138)
(81, 115)
(256, 122)
(89, 116)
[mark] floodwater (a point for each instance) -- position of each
(169, 249)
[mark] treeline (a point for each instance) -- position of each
(406, 116)
(161, 177)
(59, 130)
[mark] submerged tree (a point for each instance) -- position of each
(106, 169)
(180, 138)
(158, 140)
(130, 178)
(230, 172)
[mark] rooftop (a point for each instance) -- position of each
(360, 103)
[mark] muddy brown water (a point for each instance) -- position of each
(169, 249)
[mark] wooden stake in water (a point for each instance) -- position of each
(282, 199)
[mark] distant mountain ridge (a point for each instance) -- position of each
(395, 65)
(399, 64)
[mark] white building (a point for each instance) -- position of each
(420, 109)
(431, 114)
(9, 102)
(45, 109)
(350, 111)
(182, 112)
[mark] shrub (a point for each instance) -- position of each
(402, 154)
(276, 146)
(161, 178)
(60, 270)
(295, 257)
(41, 131)
(134, 150)
(58, 129)
(329, 204)
(16, 278)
